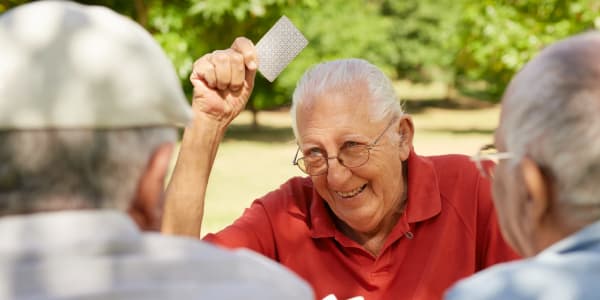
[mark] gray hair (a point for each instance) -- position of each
(345, 73)
(553, 117)
(55, 169)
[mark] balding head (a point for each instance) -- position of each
(551, 114)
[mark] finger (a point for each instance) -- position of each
(247, 49)
(250, 75)
(222, 63)
(203, 70)
(238, 70)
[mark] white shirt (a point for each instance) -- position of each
(98, 254)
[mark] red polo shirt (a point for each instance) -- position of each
(449, 231)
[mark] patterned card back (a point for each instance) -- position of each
(278, 47)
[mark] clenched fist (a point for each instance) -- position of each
(223, 81)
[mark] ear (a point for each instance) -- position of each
(538, 203)
(406, 130)
(147, 203)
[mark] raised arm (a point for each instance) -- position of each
(223, 81)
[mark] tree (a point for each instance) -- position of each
(334, 28)
(476, 46)
(498, 37)
(424, 37)
(188, 29)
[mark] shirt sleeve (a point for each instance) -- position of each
(253, 230)
(491, 246)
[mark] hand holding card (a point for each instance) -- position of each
(223, 79)
(278, 47)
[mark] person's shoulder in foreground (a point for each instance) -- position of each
(566, 270)
(108, 257)
(546, 184)
(89, 105)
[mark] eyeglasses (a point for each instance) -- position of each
(350, 156)
(487, 158)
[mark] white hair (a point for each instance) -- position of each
(344, 74)
(553, 117)
(74, 168)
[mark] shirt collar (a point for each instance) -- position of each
(423, 198)
(321, 217)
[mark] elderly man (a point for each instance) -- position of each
(372, 218)
(546, 186)
(88, 108)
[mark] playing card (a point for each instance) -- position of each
(278, 47)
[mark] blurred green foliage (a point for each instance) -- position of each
(497, 37)
(424, 37)
(473, 46)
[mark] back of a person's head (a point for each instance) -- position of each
(86, 97)
(551, 111)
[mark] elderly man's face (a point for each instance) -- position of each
(364, 197)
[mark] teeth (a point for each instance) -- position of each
(351, 193)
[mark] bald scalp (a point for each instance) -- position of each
(551, 114)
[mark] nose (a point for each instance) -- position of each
(337, 173)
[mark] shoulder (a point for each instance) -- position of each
(454, 174)
(497, 282)
(238, 270)
(295, 196)
(272, 218)
(460, 183)
(154, 266)
(534, 278)
(454, 166)
(295, 186)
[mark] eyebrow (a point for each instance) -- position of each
(351, 136)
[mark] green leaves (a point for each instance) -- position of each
(499, 37)
(474, 46)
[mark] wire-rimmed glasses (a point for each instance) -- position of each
(350, 156)
(487, 158)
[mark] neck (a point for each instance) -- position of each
(373, 240)
(554, 228)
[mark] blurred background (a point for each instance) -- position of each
(450, 61)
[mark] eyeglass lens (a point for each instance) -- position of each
(351, 157)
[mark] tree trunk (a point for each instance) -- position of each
(254, 119)
(254, 111)
(451, 87)
(141, 13)
(448, 91)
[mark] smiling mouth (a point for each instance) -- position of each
(352, 193)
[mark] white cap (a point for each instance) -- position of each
(66, 65)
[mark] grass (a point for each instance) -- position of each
(250, 163)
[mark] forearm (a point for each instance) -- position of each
(223, 81)
(185, 194)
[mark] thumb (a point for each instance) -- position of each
(250, 77)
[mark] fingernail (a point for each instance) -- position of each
(252, 65)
